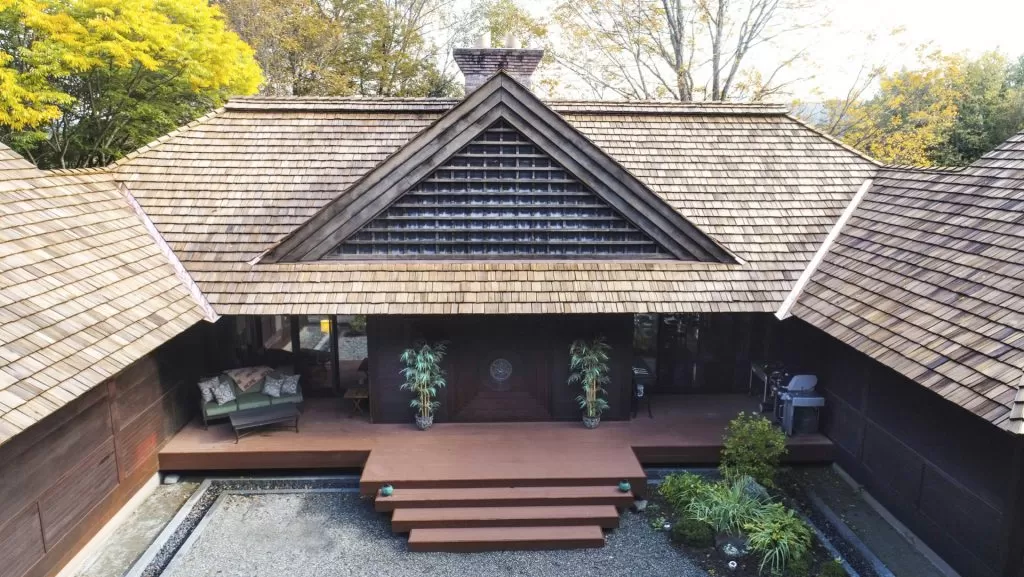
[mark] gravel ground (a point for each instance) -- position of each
(338, 535)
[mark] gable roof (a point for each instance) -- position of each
(86, 291)
(501, 98)
(927, 277)
(226, 188)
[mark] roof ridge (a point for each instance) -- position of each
(926, 169)
(834, 140)
(180, 272)
(786, 308)
(114, 166)
(364, 103)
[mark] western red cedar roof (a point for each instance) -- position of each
(228, 187)
(86, 291)
(928, 278)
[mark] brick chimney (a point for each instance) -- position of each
(481, 62)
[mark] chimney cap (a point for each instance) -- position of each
(479, 64)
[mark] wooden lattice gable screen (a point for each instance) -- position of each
(500, 196)
(365, 221)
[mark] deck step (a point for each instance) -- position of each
(504, 497)
(506, 538)
(405, 520)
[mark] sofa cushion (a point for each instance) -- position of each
(206, 387)
(212, 409)
(287, 399)
(224, 392)
(252, 401)
(272, 385)
(290, 385)
(249, 378)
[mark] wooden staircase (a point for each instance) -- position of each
(466, 488)
(504, 518)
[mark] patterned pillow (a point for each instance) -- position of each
(272, 385)
(248, 377)
(224, 392)
(206, 388)
(290, 385)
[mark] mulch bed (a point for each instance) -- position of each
(716, 563)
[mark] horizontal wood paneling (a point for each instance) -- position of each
(28, 475)
(137, 389)
(21, 543)
(65, 476)
(82, 488)
(144, 435)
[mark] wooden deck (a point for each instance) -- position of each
(685, 430)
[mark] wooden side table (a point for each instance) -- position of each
(357, 396)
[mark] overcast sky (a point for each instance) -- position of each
(952, 25)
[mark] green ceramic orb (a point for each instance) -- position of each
(386, 491)
(624, 486)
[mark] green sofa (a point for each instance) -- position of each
(254, 399)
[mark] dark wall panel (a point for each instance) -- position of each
(941, 470)
(21, 543)
(538, 344)
(65, 476)
(26, 475)
(78, 492)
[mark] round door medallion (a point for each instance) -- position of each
(501, 370)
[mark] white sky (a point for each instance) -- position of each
(838, 51)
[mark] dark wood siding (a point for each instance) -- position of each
(543, 349)
(65, 476)
(944, 472)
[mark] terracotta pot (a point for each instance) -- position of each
(424, 423)
(591, 422)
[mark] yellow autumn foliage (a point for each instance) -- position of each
(131, 49)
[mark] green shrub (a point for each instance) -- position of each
(679, 490)
(833, 568)
(753, 447)
(778, 535)
(693, 533)
(727, 506)
(358, 324)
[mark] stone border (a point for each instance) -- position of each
(189, 522)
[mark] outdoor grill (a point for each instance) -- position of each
(797, 405)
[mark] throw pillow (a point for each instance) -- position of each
(224, 392)
(248, 377)
(272, 386)
(206, 387)
(290, 385)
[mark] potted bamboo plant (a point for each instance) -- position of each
(424, 377)
(588, 368)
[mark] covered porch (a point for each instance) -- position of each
(684, 430)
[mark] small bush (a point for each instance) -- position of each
(728, 506)
(778, 535)
(358, 324)
(693, 533)
(833, 568)
(679, 490)
(753, 447)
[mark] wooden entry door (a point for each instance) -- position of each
(501, 373)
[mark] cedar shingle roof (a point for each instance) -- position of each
(223, 190)
(928, 278)
(86, 291)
